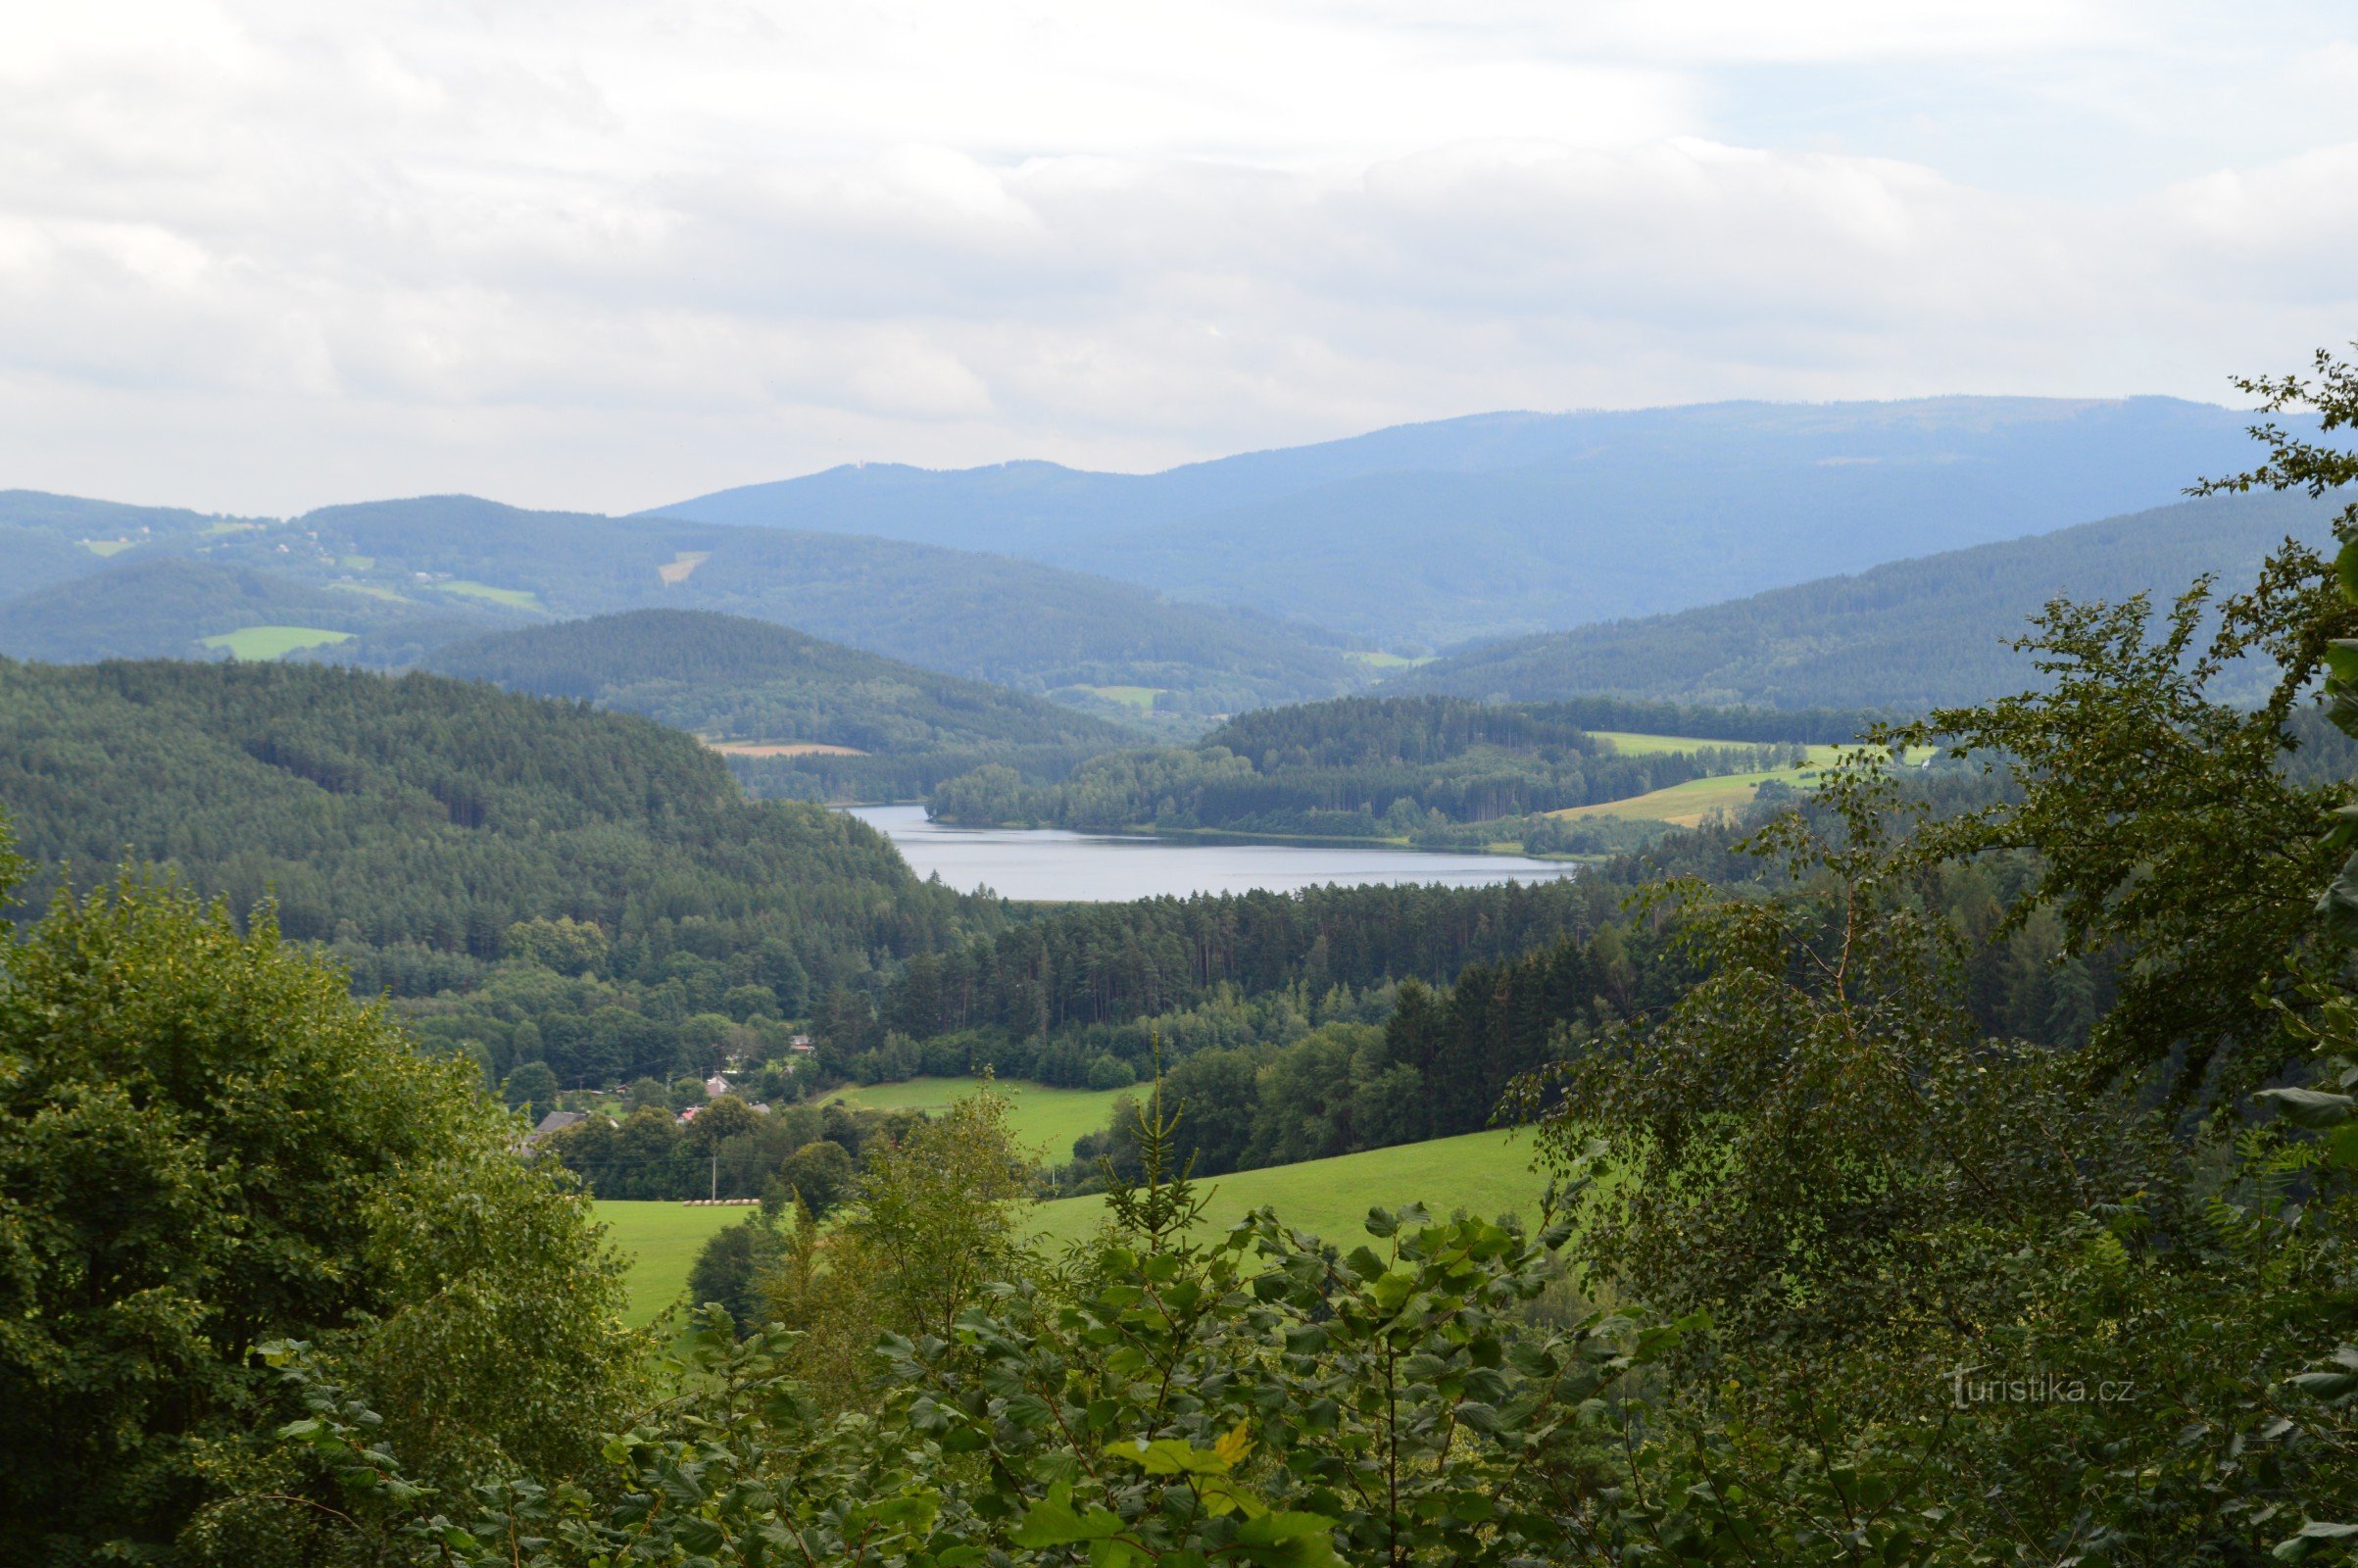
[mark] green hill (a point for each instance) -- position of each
(411, 576)
(166, 607)
(731, 679)
(427, 829)
(1903, 636)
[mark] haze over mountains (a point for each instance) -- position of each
(1782, 554)
(1500, 524)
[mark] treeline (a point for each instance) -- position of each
(1085, 967)
(1357, 767)
(730, 1150)
(901, 776)
(1314, 1083)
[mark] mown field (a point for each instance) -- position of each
(1045, 1120)
(1694, 802)
(260, 643)
(1485, 1173)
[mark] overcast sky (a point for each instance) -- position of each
(264, 255)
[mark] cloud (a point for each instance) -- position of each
(260, 255)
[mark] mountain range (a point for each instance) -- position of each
(1427, 535)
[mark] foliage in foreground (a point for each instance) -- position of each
(206, 1143)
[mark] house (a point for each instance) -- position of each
(802, 1042)
(557, 1121)
(714, 1087)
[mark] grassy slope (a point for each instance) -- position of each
(1046, 1119)
(1690, 804)
(273, 642)
(1487, 1173)
(661, 1241)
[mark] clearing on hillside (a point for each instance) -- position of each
(1044, 1119)
(783, 749)
(262, 644)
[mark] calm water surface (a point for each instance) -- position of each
(1045, 863)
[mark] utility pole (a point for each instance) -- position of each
(715, 1173)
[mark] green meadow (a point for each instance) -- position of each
(513, 598)
(1045, 1120)
(1485, 1173)
(258, 644)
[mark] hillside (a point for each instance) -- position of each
(407, 577)
(427, 829)
(158, 606)
(1517, 523)
(731, 679)
(1902, 636)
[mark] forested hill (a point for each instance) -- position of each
(1414, 768)
(427, 828)
(1517, 522)
(403, 576)
(1904, 636)
(732, 678)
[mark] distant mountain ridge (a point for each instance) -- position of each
(1903, 636)
(1500, 524)
(406, 576)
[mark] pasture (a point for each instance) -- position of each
(258, 644)
(1138, 697)
(513, 598)
(1485, 1173)
(1045, 1120)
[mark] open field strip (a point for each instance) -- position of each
(1128, 696)
(1631, 743)
(783, 749)
(1690, 803)
(1044, 1120)
(1382, 661)
(263, 643)
(513, 598)
(1483, 1173)
(682, 566)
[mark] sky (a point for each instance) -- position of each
(257, 256)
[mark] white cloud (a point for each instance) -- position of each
(260, 255)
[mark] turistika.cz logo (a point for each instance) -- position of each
(1967, 1388)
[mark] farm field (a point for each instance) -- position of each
(257, 644)
(513, 598)
(661, 1241)
(1629, 743)
(1141, 697)
(1690, 804)
(1044, 1119)
(1487, 1173)
(1382, 661)
(783, 749)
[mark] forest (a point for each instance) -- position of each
(1353, 767)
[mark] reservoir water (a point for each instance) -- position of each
(1048, 863)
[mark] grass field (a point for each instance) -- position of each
(783, 749)
(105, 547)
(513, 598)
(1690, 804)
(1376, 660)
(1128, 696)
(661, 1241)
(257, 644)
(683, 567)
(1043, 1118)
(1629, 743)
(1486, 1173)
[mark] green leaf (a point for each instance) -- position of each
(2310, 1108)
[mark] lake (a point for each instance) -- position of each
(1048, 863)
